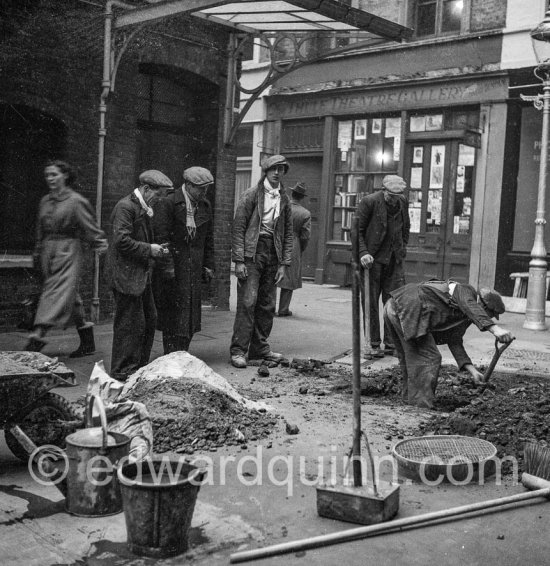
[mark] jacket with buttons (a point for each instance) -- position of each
(247, 222)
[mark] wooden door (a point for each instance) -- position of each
(440, 178)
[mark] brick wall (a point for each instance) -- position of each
(51, 60)
(487, 14)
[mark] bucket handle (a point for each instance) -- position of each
(103, 417)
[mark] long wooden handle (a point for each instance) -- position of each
(390, 526)
(366, 314)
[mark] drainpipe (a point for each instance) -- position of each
(105, 88)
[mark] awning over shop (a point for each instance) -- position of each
(268, 16)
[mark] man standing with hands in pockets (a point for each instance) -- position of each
(262, 250)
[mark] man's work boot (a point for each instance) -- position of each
(273, 357)
(87, 342)
(238, 361)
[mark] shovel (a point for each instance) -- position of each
(358, 503)
(499, 349)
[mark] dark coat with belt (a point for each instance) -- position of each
(247, 222)
(301, 230)
(429, 307)
(373, 225)
(130, 262)
(178, 280)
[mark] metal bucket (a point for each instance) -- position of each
(93, 453)
(159, 497)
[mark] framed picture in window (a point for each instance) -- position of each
(434, 122)
(376, 125)
(418, 154)
(360, 130)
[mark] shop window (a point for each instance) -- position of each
(438, 17)
(367, 150)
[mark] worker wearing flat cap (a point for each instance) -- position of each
(183, 221)
(131, 258)
(420, 316)
(384, 227)
(261, 248)
(301, 232)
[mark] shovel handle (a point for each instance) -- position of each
(499, 348)
(94, 399)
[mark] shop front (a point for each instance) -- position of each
(439, 136)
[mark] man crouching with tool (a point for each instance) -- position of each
(420, 316)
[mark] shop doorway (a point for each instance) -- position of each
(440, 176)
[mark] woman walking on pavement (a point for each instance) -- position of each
(65, 221)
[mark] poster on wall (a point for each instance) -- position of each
(414, 216)
(344, 137)
(466, 155)
(418, 154)
(437, 165)
(434, 206)
(416, 178)
(376, 125)
(360, 130)
(460, 179)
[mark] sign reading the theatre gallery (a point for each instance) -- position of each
(395, 99)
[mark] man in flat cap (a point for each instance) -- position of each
(262, 250)
(131, 259)
(301, 232)
(384, 227)
(420, 316)
(183, 219)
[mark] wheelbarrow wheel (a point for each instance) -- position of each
(42, 424)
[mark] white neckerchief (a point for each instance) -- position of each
(272, 206)
(144, 205)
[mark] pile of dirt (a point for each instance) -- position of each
(188, 415)
(513, 410)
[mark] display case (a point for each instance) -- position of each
(367, 150)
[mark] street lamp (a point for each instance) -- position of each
(536, 289)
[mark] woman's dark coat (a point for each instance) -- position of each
(178, 279)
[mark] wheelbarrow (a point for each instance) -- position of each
(30, 414)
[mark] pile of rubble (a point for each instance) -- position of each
(194, 409)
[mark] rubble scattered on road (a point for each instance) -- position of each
(292, 428)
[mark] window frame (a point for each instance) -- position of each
(464, 24)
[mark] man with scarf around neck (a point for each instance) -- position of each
(131, 259)
(183, 220)
(262, 251)
(384, 227)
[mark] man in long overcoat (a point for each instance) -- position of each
(384, 227)
(301, 230)
(420, 316)
(131, 260)
(183, 219)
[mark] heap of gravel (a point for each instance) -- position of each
(189, 416)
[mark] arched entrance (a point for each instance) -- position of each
(29, 138)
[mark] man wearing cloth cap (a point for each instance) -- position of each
(301, 228)
(420, 316)
(131, 259)
(261, 248)
(183, 219)
(384, 227)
